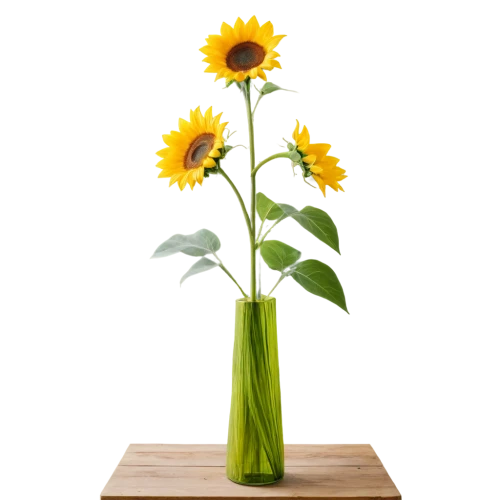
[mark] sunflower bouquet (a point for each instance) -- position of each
(196, 151)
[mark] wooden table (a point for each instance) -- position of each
(188, 472)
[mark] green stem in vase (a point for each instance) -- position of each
(255, 452)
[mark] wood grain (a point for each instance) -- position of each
(214, 455)
(188, 472)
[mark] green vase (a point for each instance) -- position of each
(255, 453)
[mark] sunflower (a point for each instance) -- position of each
(243, 51)
(315, 162)
(196, 147)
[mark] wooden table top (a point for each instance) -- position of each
(188, 472)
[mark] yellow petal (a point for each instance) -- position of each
(240, 76)
(272, 55)
(221, 73)
(251, 28)
(262, 74)
(208, 116)
(191, 178)
(304, 139)
(219, 132)
(209, 163)
(175, 178)
(215, 153)
(200, 175)
(212, 68)
(163, 153)
(253, 72)
(315, 169)
(218, 144)
(267, 65)
(266, 31)
(273, 41)
(216, 120)
(226, 30)
(309, 159)
(197, 118)
(295, 134)
(239, 27)
(320, 150)
(183, 181)
(276, 64)
(321, 184)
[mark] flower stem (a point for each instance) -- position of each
(259, 242)
(223, 267)
(253, 280)
(272, 157)
(242, 203)
(282, 277)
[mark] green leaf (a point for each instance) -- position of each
(320, 224)
(198, 267)
(229, 83)
(278, 255)
(319, 279)
(208, 239)
(197, 245)
(267, 209)
(269, 88)
(288, 210)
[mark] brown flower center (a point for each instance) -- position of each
(245, 56)
(198, 151)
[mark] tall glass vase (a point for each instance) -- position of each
(255, 442)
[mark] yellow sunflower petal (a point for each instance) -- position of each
(276, 64)
(273, 42)
(219, 130)
(267, 65)
(272, 55)
(320, 150)
(162, 163)
(217, 42)
(180, 161)
(239, 27)
(200, 174)
(245, 29)
(226, 30)
(240, 76)
(191, 179)
(208, 117)
(295, 134)
(209, 162)
(304, 139)
(262, 74)
(266, 31)
(320, 183)
(251, 28)
(309, 159)
(164, 151)
(219, 46)
(221, 74)
(175, 178)
(183, 181)
(315, 169)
